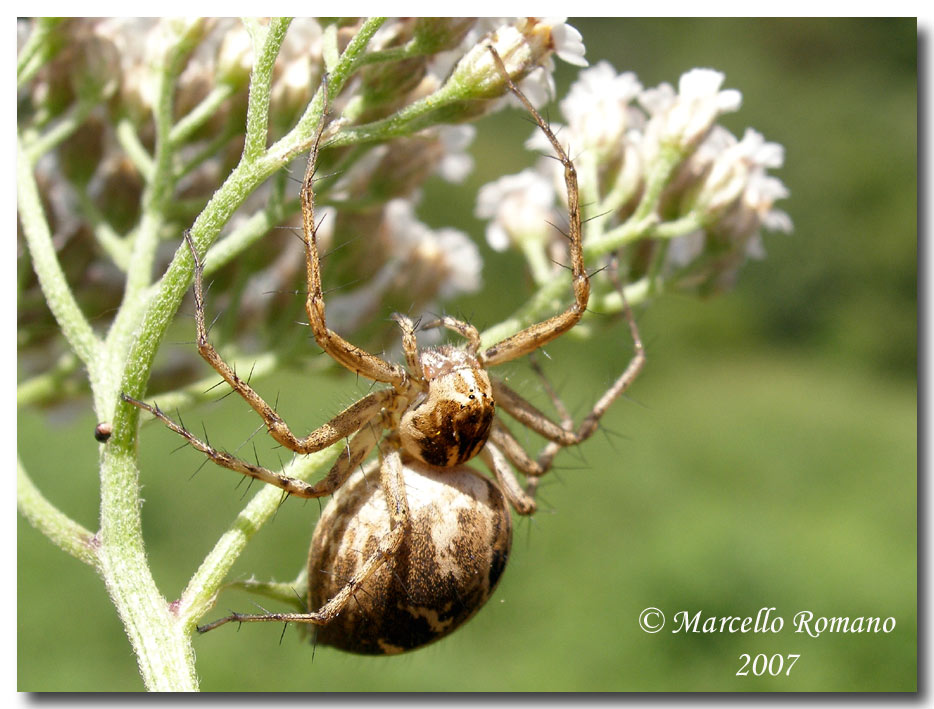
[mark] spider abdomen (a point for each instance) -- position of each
(451, 422)
(448, 565)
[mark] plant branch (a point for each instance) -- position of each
(60, 529)
(198, 597)
(266, 45)
(200, 114)
(134, 149)
(37, 50)
(50, 384)
(63, 128)
(57, 293)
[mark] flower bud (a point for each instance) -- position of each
(437, 34)
(522, 47)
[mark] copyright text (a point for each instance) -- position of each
(767, 620)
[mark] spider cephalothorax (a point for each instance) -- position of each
(397, 565)
(450, 422)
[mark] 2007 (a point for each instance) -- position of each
(763, 663)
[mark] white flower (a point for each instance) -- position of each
(738, 175)
(599, 109)
(568, 45)
(420, 262)
(520, 207)
(460, 262)
(568, 42)
(685, 118)
(727, 184)
(684, 249)
(450, 255)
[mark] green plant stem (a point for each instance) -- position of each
(48, 384)
(550, 297)
(258, 366)
(287, 592)
(162, 643)
(64, 532)
(200, 114)
(266, 44)
(208, 150)
(62, 129)
(134, 148)
(299, 138)
(400, 123)
(247, 233)
(162, 637)
(37, 50)
(553, 294)
(198, 596)
(58, 295)
(109, 240)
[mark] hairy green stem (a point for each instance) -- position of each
(266, 46)
(227, 249)
(299, 138)
(60, 131)
(198, 596)
(200, 114)
(64, 532)
(134, 148)
(58, 295)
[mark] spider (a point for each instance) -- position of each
(422, 551)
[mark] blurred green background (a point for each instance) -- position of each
(766, 457)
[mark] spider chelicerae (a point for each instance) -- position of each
(395, 566)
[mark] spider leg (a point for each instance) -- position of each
(350, 356)
(356, 452)
(528, 415)
(499, 466)
(540, 334)
(410, 345)
(513, 450)
(339, 427)
(564, 435)
(464, 329)
(622, 383)
(393, 486)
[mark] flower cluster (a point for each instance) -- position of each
(122, 141)
(679, 198)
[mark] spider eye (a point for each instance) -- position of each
(453, 422)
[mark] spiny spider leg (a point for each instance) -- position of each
(359, 447)
(464, 329)
(410, 346)
(352, 357)
(564, 435)
(496, 462)
(540, 334)
(341, 426)
(393, 485)
(513, 450)
(623, 382)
